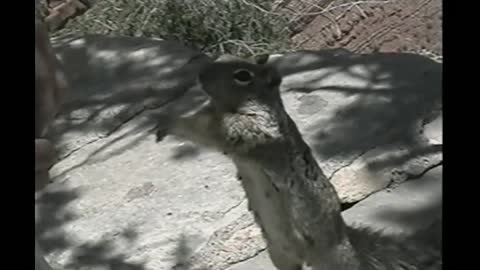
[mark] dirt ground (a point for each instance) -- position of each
(394, 26)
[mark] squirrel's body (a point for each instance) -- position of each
(292, 200)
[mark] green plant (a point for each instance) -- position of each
(240, 27)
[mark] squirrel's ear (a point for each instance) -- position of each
(261, 59)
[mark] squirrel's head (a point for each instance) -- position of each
(232, 82)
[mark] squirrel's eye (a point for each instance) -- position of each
(243, 76)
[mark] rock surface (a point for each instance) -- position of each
(121, 201)
(412, 206)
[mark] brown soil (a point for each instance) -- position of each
(398, 26)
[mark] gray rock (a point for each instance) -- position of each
(114, 79)
(409, 208)
(406, 209)
(380, 168)
(434, 131)
(363, 115)
(40, 263)
(121, 201)
(259, 262)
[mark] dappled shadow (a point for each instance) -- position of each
(413, 218)
(400, 159)
(377, 117)
(99, 254)
(183, 254)
(423, 223)
(431, 234)
(397, 91)
(52, 214)
(119, 63)
(391, 95)
(422, 218)
(187, 151)
(114, 79)
(308, 60)
(144, 127)
(413, 209)
(154, 119)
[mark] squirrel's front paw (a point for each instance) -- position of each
(160, 134)
(162, 129)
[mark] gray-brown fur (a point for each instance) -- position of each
(293, 202)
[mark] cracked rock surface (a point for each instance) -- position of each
(121, 201)
(388, 210)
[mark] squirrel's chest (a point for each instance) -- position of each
(267, 204)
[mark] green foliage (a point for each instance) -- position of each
(241, 27)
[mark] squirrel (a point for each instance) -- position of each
(292, 200)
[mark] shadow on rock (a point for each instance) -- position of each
(99, 255)
(387, 97)
(115, 79)
(183, 255)
(145, 126)
(399, 160)
(413, 218)
(187, 151)
(423, 214)
(53, 213)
